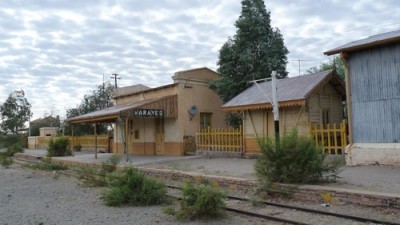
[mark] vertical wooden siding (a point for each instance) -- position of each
(375, 87)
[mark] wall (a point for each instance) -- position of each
(375, 94)
(326, 98)
(260, 124)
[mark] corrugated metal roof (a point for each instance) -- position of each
(289, 89)
(369, 42)
(112, 113)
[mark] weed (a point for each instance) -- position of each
(200, 202)
(14, 148)
(5, 160)
(47, 166)
(294, 159)
(133, 187)
(91, 177)
(59, 147)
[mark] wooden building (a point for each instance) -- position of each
(372, 67)
(155, 121)
(312, 98)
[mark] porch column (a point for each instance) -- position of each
(126, 139)
(72, 142)
(95, 140)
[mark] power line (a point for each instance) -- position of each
(115, 77)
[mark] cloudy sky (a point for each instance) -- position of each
(58, 50)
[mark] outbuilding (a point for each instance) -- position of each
(161, 120)
(313, 98)
(372, 68)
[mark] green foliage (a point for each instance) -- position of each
(47, 121)
(133, 187)
(5, 159)
(59, 147)
(14, 148)
(92, 177)
(336, 64)
(200, 202)
(254, 52)
(99, 98)
(14, 112)
(294, 159)
(46, 166)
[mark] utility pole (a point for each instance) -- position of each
(115, 77)
(274, 102)
(275, 105)
(299, 61)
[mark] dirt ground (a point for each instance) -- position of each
(32, 197)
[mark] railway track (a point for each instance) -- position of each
(266, 210)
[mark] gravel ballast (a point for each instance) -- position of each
(32, 197)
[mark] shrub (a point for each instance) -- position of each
(294, 159)
(133, 187)
(5, 160)
(59, 147)
(14, 148)
(200, 202)
(97, 177)
(49, 166)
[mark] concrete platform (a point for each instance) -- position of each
(375, 185)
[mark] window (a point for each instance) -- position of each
(325, 117)
(136, 134)
(205, 120)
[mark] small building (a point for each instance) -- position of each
(372, 68)
(48, 131)
(312, 98)
(157, 121)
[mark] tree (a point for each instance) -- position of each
(15, 112)
(46, 121)
(336, 64)
(98, 99)
(253, 53)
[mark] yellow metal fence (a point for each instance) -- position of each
(223, 140)
(333, 137)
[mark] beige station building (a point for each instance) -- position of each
(156, 121)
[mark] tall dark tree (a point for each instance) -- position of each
(254, 52)
(15, 112)
(98, 99)
(46, 121)
(336, 64)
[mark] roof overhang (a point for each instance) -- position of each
(282, 104)
(109, 115)
(359, 47)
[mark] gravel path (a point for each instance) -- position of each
(31, 197)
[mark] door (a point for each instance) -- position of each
(160, 136)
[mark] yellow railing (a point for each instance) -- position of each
(225, 139)
(333, 137)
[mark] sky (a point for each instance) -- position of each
(59, 50)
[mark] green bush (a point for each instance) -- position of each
(92, 177)
(14, 148)
(133, 187)
(59, 147)
(294, 159)
(7, 140)
(5, 160)
(201, 202)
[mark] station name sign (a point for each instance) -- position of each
(148, 112)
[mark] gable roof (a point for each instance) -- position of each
(369, 42)
(291, 91)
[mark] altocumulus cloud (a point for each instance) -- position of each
(57, 51)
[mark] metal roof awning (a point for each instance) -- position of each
(168, 105)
